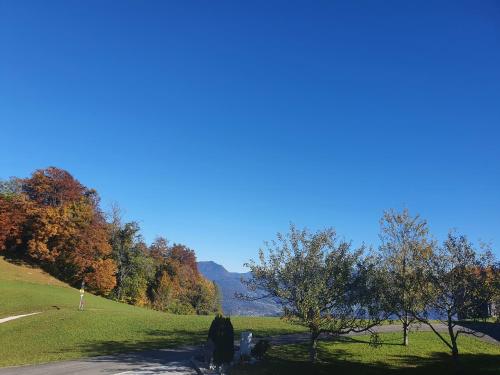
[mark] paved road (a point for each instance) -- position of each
(166, 361)
(487, 333)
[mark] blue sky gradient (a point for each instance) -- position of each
(215, 124)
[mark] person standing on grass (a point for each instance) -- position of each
(81, 307)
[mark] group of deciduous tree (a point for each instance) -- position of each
(328, 287)
(433, 283)
(53, 220)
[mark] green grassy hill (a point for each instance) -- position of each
(63, 332)
(105, 327)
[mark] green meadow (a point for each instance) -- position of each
(62, 332)
(425, 355)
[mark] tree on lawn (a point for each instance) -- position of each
(319, 282)
(453, 284)
(405, 242)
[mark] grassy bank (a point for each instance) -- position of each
(105, 327)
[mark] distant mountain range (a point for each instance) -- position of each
(230, 283)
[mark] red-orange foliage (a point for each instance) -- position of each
(98, 278)
(185, 256)
(180, 288)
(159, 249)
(53, 187)
(57, 221)
(12, 216)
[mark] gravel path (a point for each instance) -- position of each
(13, 317)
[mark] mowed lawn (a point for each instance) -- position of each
(425, 355)
(62, 332)
(105, 327)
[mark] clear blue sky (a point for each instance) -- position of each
(217, 123)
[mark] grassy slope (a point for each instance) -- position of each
(63, 332)
(425, 355)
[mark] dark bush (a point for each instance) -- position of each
(260, 349)
(375, 340)
(221, 333)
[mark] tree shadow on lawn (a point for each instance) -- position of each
(299, 338)
(340, 362)
(354, 340)
(141, 356)
(157, 344)
(488, 328)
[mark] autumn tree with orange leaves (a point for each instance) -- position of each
(179, 287)
(52, 218)
(13, 213)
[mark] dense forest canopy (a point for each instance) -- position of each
(51, 219)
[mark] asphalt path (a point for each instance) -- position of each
(488, 333)
(164, 361)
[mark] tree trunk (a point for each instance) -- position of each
(454, 351)
(454, 346)
(454, 356)
(313, 353)
(405, 330)
(119, 284)
(405, 304)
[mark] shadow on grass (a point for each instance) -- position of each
(165, 346)
(354, 340)
(20, 260)
(488, 328)
(146, 357)
(158, 347)
(340, 362)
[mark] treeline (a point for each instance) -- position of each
(53, 220)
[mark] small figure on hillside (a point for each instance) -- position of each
(81, 307)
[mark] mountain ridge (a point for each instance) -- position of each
(230, 283)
